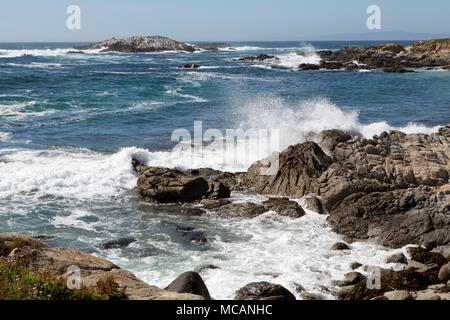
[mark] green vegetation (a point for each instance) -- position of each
(18, 283)
(433, 42)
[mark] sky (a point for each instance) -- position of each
(214, 20)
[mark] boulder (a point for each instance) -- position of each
(264, 291)
(284, 207)
(355, 265)
(444, 273)
(166, 185)
(344, 291)
(189, 66)
(314, 204)
(242, 210)
(398, 295)
(189, 282)
(13, 240)
(340, 246)
(309, 296)
(116, 244)
(215, 46)
(397, 258)
(354, 277)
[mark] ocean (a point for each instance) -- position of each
(70, 124)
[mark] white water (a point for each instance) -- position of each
(82, 173)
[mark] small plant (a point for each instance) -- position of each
(18, 283)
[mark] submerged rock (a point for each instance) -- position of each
(189, 66)
(397, 258)
(264, 291)
(261, 57)
(340, 246)
(215, 46)
(116, 244)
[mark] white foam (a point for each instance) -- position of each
(71, 173)
(5, 136)
(73, 220)
(270, 248)
(13, 53)
(21, 110)
(177, 92)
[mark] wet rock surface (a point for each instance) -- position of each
(264, 291)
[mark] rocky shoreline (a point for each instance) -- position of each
(392, 189)
(390, 57)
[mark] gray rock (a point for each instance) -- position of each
(444, 273)
(414, 265)
(284, 207)
(315, 204)
(242, 210)
(140, 44)
(355, 265)
(264, 291)
(342, 292)
(189, 66)
(398, 295)
(444, 250)
(340, 246)
(309, 296)
(116, 244)
(354, 277)
(397, 258)
(189, 282)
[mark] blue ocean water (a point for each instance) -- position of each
(70, 123)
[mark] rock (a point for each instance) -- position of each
(340, 246)
(340, 283)
(139, 44)
(428, 268)
(56, 261)
(425, 256)
(428, 295)
(202, 268)
(189, 282)
(284, 207)
(117, 244)
(261, 57)
(215, 46)
(414, 265)
(397, 70)
(13, 240)
(75, 52)
(166, 185)
(192, 212)
(189, 66)
(314, 204)
(398, 295)
(243, 210)
(448, 285)
(355, 265)
(331, 65)
(379, 298)
(444, 273)
(392, 56)
(199, 240)
(397, 258)
(354, 277)
(344, 291)
(264, 291)
(443, 250)
(309, 296)
(329, 139)
(300, 166)
(308, 67)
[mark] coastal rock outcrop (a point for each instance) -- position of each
(392, 57)
(392, 188)
(261, 57)
(39, 257)
(215, 46)
(139, 44)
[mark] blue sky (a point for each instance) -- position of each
(196, 20)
